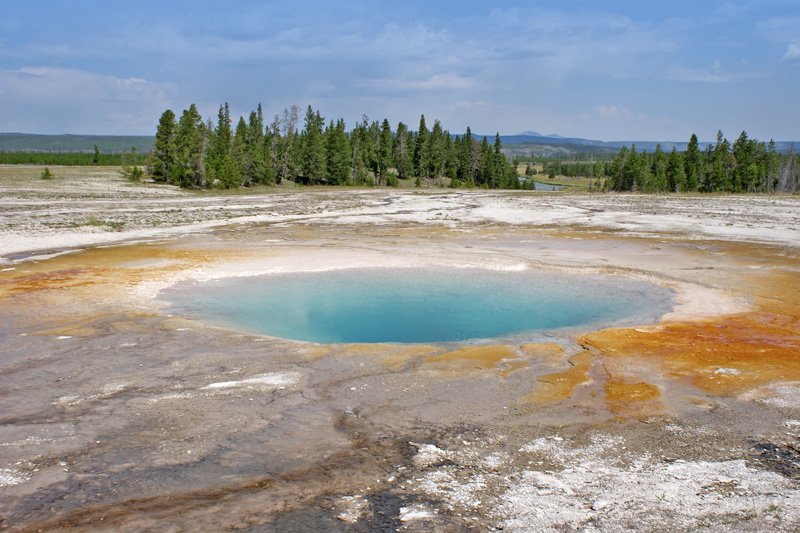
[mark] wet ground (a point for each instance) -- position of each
(115, 415)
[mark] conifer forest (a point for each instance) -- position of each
(198, 155)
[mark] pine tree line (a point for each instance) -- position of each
(82, 159)
(747, 166)
(198, 155)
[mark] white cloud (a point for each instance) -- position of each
(712, 74)
(437, 82)
(464, 104)
(568, 43)
(508, 68)
(733, 9)
(445, 81)
(59, 100)
(409, 40)
(792, 54)
(612, 112)
(779, 29)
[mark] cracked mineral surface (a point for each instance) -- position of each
(116, 414)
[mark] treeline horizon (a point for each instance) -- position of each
(80, 159)
(746, 166)
(194, 154)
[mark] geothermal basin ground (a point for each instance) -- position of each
(118, 414)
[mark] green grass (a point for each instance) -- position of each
(82, 159)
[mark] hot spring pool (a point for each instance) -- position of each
(419, 305)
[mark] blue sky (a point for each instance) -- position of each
(612, 70)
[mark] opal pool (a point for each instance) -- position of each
(419, 305)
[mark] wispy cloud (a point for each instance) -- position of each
(437, 82)
(566, 43)
(792, 54)
(70, 100)
(613, 112)
(710, 74)
(779, 29)
(511, 66)
(783, 30)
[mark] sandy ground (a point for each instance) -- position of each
(82, 207)
(116, 415)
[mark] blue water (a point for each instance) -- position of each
(548, 187)
(425, 305)
(539, 186)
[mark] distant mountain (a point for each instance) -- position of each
(527, 142)
(537, 134)
(513, 147)
(581, 145)
(525, 137)
(576, 144)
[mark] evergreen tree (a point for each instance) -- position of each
(286, 148)
(272, 143)
(218, 167)
(189, 150)
(469, 159)
(676, 173)
(633, 177)
(223, 135)
(421, 150)
(692, 164)
(484, 175)
(450, 156)
(135, 173)
(338, 155)
(362, 149)
(239, 155)
(403, 151)
(457, 173)
(789, 175)
(721, 166)
(384, 152)
(256, 126)
(745, 172)
(373, 140)
(499, 170)
(196, 155)
(256, 153)
(659, 171)
(772, 165)
(599, 173)
(312, 148)
(617, 179)
(436, 153)
(164, 147)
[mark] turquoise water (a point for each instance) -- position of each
(425, 305)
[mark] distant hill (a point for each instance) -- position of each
(552, 149)
(578, 145)
(535, 134)
(526, 144)
(526, 137)
(26, 142)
